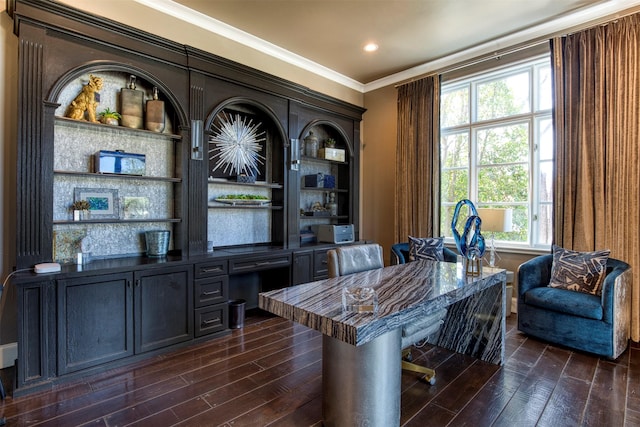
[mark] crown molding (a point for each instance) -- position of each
(593, 15)
(225, 30)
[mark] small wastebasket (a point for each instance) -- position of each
(236, 313)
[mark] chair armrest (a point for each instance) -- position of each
(615, 271)
(398, 251)
(534, 273)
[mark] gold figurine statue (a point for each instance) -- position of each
(86, 101)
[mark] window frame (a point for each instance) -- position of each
(534, 65)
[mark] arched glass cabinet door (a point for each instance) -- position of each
(246, 153)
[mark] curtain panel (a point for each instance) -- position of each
(596, 74)
(417, 195)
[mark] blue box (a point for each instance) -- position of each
(119, 162)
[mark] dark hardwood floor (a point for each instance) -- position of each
(269, 373)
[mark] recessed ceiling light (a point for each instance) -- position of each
(370, 47)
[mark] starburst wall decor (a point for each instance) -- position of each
(237, 143)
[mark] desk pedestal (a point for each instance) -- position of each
(372, 372)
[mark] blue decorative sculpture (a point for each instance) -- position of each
(469, 245)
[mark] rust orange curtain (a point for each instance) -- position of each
(597, 124)
(417, 195)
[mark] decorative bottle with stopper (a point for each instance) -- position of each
(154, 120)
(331, 204)
(132, 101)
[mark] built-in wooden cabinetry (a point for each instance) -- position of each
(124, 306)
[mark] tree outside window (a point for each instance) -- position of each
(496, 148)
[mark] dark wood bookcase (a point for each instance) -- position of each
(156, 304)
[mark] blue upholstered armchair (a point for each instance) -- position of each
(400, 254)
(591, 323)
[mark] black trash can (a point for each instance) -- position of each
(236, 313)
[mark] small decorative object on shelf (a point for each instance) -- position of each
(109, 117)
(331, 205)
(330, 143)
(154, 120)
(87, 101)
(237, 144)
(131, 105)
(157, 243)
(80, 210)
(311, 145)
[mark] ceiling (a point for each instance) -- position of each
(330, 34)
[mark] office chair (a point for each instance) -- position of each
(358, 258)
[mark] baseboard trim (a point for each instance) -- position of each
(8, 354)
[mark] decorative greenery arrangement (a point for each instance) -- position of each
(330, 143)
(243, 197)
(80, 205)
(107, 116)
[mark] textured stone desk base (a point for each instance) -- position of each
(476, 325)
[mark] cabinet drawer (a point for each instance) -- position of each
(257, 264)
(211, 319)
(211, 291)
(211, 268)
(320, 268)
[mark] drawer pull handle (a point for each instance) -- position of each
(260, 264)
(324, 261)
(210, 321)
(211, 293)
(211, 270)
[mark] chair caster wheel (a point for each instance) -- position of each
(430, 381)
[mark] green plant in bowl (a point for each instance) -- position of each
(109, 117)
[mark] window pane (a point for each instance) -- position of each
(503, 144)
(454, 107)
(519, 226)
(503, 184)
(520, 231)
(454, 185)
(544, 88)
(544, 224)
(446, 215)
(546, 182)
(454, 150)
(545, 139)
(504, 97)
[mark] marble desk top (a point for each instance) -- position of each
(405, 292)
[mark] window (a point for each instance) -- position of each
(496, 148)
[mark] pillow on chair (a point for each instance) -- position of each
(578, 271)
(426, 248)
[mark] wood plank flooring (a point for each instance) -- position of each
(269, 374)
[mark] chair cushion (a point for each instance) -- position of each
(426, 248)
(564, 301)
(578, 271)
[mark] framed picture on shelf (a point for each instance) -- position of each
(103, 202)
(136, 207)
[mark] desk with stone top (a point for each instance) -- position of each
(361, 352)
